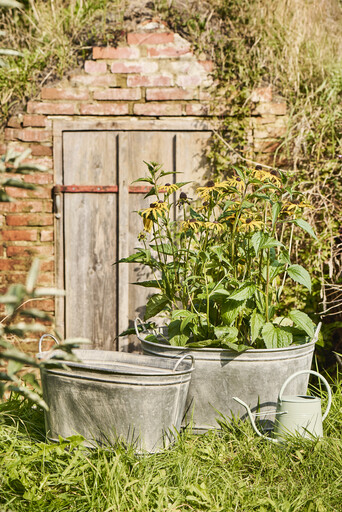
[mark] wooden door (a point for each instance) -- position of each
(99, 224)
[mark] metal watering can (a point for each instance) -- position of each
(296, 415)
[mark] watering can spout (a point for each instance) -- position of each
(241, 402)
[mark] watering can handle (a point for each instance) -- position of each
(138, 323)
(46, 336)
(181, 359)
(325, 382)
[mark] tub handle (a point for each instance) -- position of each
(181, 359)
(138, 323)
(46, 336)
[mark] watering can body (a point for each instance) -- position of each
(296, 415)
(299, 415)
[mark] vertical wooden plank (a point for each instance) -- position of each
(191, 156)
(123, 151)
(90, 222)
(58, 235)
(139, 147)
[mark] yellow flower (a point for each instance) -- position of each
(291, 206)
(235, 182)
(192, 224)
(205, 192)
(263, 175)
(168, 188)
(152, 213)
(250, 224)
(215, 226)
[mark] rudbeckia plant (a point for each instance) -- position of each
(222, 258)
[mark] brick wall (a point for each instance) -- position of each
(154, 73)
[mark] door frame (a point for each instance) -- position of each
(60, 126)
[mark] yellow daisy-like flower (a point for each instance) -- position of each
(215, 226)
(168, 188)
(152, 213)
(235, 182)
(263, 175)
(250, 224)
(205, 192)
(192, 224)
(291, 206)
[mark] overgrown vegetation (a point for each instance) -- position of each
(215, 472)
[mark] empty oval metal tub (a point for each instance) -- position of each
(115, 396)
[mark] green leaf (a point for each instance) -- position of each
(164, 248)
(301, 223)
(179, 340)
(303, 321)
(226, 334)
(276, 207)
(155, 304)
(275, 337)
(256, 323)
(246, 291)
(236, 347)
(300, 275)
(230, 310)
(148, 284)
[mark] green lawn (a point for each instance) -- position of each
(227, 470)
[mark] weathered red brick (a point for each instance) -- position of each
(95, 80)
(45, 279)
(34, 120)
(3, 149)
(173, 93)
(44, 304)
(28, 134)
(39, 178)
(34, 107)
(122, 52)
(46, 235)
(29, 235)
(278, 109)
(189, 80)
(15, 122)
(41, 192)
(118, 94)
(262, 94)
(197, 109)
(263, 146)
(26, 206)
(53, 93)
(208, 65)
(157, 109)
(149, 81)
(138, 38)
(29, 220)
(104, 109)
(169, 52)
(134, 67)
(95, 68)
(39, 150)
(12, 264)
(25, 251)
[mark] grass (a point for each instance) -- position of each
(227, 470)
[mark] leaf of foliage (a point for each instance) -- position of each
(275, 337)
(256, 323)
(301, 223)
(230, 310)
(246, 291)
(300, 275)
(148, 284)
(155, 304)
(303, 321)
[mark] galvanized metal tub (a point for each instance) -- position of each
(113, 396)
(255, 376)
